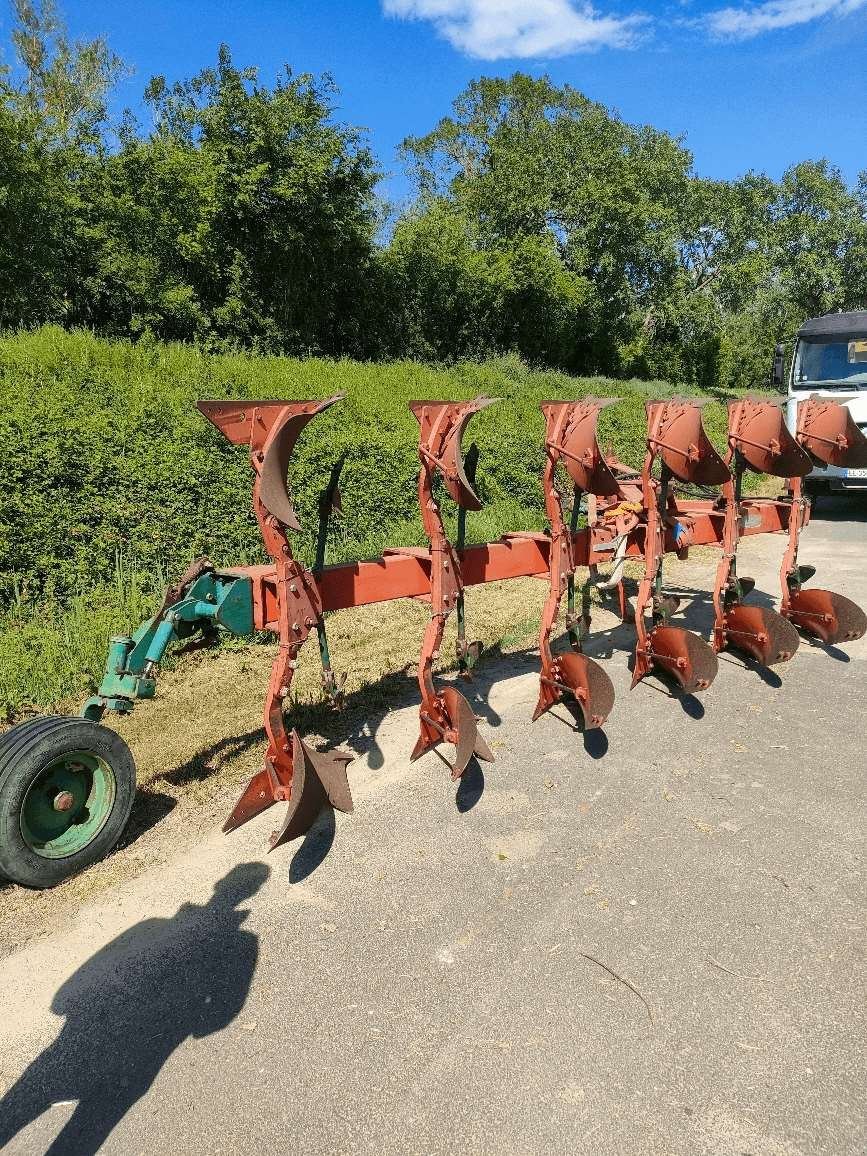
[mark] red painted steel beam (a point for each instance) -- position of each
(408, 576)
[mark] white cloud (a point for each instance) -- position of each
(493, 29)
(744, 23)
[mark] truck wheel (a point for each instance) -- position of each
(66, 790)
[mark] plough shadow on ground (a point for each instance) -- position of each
(357, 726)
(696, 613)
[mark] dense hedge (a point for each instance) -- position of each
(105, 455)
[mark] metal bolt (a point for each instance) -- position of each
(64, 801)
(293, 587)
(445, 565)
(284, 690)
(296, 626)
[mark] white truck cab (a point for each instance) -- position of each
(830, 360)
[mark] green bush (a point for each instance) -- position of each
(106, 458)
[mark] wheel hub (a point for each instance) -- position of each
(67, 804)
(64, 801)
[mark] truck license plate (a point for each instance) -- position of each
(856, 473)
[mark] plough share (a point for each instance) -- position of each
(78, 778)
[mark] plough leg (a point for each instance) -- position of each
(675, 434)
(826, 430)
(292, 772)
(444, 717)
(756, 631)
(570, 438)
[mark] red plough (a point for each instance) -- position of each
(570, 439)
(631, 516)
(293, 773)
(828, 434)
(758, 440)
(292, 600)
(676, 437)
(445, 716)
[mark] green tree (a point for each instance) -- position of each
(807, 257)
(523, 163)
(65, 82)
(52, 113)
(246, 217)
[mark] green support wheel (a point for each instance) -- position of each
(66, 790)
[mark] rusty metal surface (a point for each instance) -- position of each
(824, 428)
(684, 656)
(640, 515)
(758, 440)
(571, 439)
(174, 593)
(760, 632)
(444, 717)
(289, 774)
(405, 575)
(827, 430)
(676, 434)
(826, 615)
(257, 796)
(442, 425)
(581, 679)
(271, 428)
(757, 431)
(319, 781)
(469, 741)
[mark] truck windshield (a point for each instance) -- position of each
(831, 362)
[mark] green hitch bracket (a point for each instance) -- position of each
(213, 600)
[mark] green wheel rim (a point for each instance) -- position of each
(67, 804)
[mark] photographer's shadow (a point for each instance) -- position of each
(130, 1006)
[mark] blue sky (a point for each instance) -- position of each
(751, 85)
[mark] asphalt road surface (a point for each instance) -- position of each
(647, 943)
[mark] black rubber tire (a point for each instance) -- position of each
(24, 751)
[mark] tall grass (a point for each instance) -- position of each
(53, 652)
